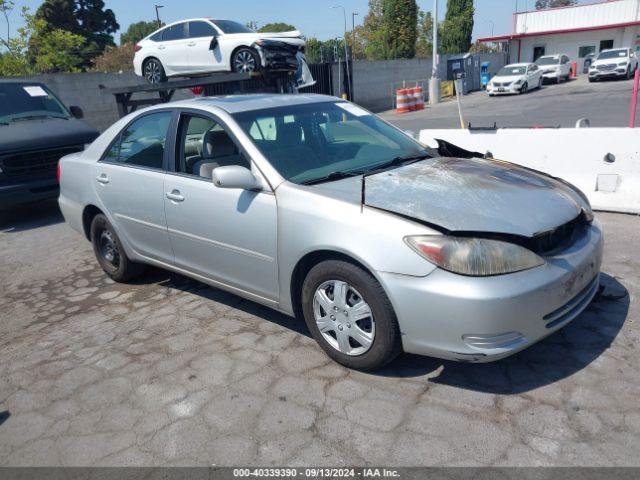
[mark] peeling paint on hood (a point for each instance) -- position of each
(475, 195)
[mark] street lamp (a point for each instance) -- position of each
(346, 50)
(158, 7)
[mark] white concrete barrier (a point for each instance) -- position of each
(603, 162)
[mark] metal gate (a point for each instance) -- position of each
(324, 79)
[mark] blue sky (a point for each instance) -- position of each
(314, 18)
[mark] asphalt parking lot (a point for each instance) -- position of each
(605, 104)
(167, 371)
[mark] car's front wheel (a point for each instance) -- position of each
(110, 253)
(153, 71)
(245, 60)
(350, 315)
(525, 88)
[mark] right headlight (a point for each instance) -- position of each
(476, 257)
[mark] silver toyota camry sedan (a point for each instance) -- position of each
(319, 209)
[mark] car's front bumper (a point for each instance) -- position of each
(510, 90)
(485, 319)
(278, 55)
(27, 191)
(618, 72)
(552, 75)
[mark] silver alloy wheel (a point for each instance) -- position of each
(344, 318)
(152, 72)
(244, 62)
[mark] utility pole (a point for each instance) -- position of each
(353, 34)
(346, 51)
(158, 7)
(434, 83)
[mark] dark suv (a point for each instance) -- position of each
(36, 130)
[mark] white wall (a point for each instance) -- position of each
(603, 13)
(574, 154)
(570, 43)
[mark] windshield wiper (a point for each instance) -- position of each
(332, 176)
(399, 162)
(394, 162)
(33, 117)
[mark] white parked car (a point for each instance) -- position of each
(614, 63)
(203, 45)
(515, 78)
(555, 67)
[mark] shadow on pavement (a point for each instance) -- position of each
(178, 282)
(4, 416)
(30, 216)
(559, 356)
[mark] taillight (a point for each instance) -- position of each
(137, 48)
(59, 172)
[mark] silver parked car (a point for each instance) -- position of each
(317, 208)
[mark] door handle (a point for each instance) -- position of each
(175, 196)
(161, 47)
(103, 179)
(191, 44)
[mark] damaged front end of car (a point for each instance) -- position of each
(278, 55)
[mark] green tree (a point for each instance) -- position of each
(544, 4)
(39, 49)
(400, 19)
(277, 27)
(457, 27)
(137, 31)
(87, 18)
(6, 6)
(424, 44)
(374, 34)
(115, 59)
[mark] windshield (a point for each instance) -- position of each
(548, 61)
(19, 100)
(510, 71)
(228, 26)
(312, 141)
(613, 54)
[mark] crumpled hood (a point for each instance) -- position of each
(44, 134)
(475, 195)
(294, 37)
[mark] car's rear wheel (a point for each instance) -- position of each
(245, 60)
(110, 253)
(350, 315)
(153, 71)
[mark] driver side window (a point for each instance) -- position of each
(205, 145)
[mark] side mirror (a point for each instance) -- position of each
(76, 112)
(235, 176)
(214, 43)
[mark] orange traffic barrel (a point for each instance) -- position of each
(403, 101)
(574, 69)
(418, 98)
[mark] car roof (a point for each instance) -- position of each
(523, 64)
(555, 55)
(615, 49)
(250, 102)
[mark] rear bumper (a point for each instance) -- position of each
(485, 319)
(24, 192)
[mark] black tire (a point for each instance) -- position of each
(524, 89)
(386, 343)
(110, 253)
(629, 74)
(245, 60)
(153, 71)
(591, 80)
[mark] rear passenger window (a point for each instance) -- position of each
(174, 32)
(142, 143)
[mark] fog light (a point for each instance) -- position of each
(507, 340)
